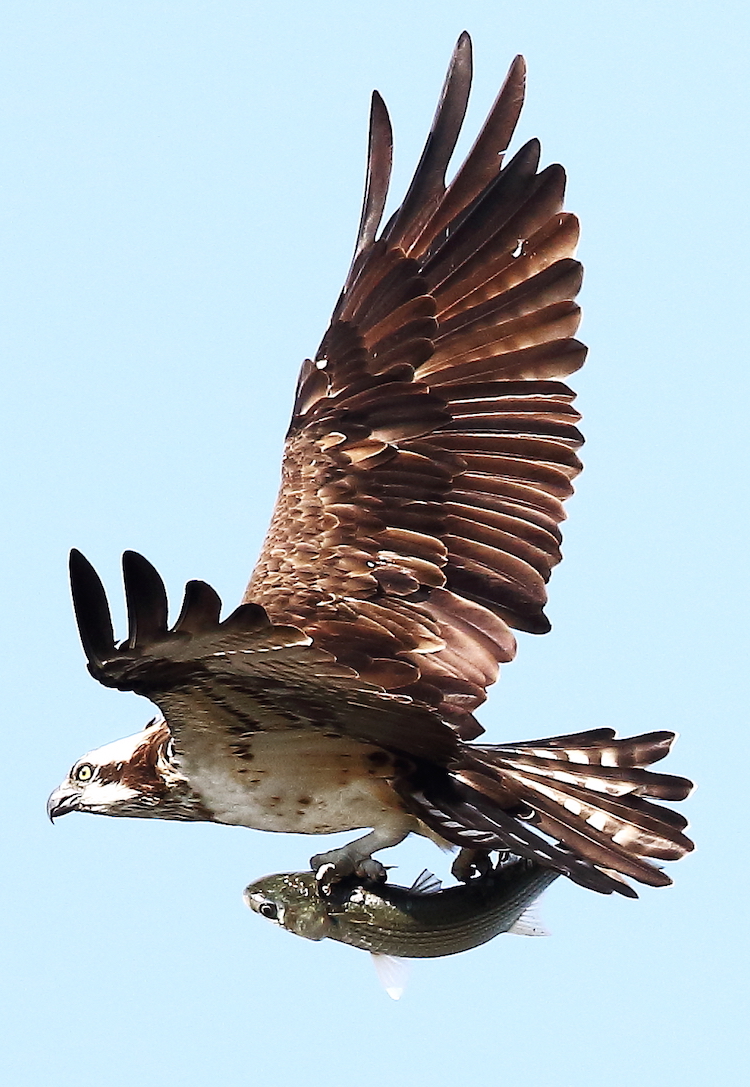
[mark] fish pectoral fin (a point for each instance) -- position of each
(426, 883)
(393, 973)
(529, 924)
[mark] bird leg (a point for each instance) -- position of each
(471, 862)
(355, 859)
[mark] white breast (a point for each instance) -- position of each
(295, 781)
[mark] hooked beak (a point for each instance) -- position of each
(61, 802)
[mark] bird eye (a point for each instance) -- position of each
(84, 772)
(267, 909)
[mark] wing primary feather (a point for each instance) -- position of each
(486, 156)
(146, 600)
(494, 207)
(248, 618)
(379, 162)
(428, 183)
(92, 611)
(201, 608)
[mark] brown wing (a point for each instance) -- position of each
(431, 444)
(243, 675)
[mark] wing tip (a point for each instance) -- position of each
(92, 612)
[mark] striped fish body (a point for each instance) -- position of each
(405, 922)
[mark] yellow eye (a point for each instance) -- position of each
(84, 772)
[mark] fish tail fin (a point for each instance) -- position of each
(529, 923)
(579, 803)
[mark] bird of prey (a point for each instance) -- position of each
(431, 445)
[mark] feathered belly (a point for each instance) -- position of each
(298, 782)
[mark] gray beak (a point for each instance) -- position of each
(61, 802)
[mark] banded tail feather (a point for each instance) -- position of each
(576, 803)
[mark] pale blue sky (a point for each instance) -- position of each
(180, 191)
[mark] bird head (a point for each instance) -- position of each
(127, 777)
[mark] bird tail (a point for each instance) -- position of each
(579, 803)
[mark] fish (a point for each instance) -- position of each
(417, 922)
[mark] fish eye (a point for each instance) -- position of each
(84, 772)
(267, 909)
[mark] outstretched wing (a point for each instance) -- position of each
(431, 443)
(242, 675)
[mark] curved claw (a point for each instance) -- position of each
(470, 863)
(325, 875)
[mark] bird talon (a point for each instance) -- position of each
(470, 863)
(371, 870)
(324, 876)
(330, 868)
(340, 864)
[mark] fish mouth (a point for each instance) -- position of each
(61, 802)
(252, 897)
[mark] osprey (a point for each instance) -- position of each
(431, 446)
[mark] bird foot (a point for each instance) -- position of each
(470, 863)
(342, 863)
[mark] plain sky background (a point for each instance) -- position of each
(180, 192)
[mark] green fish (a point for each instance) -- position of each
(421, 921)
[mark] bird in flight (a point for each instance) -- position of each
(431, 445)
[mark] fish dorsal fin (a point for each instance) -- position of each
(529, 924)
(426, 883)
(393, 973)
